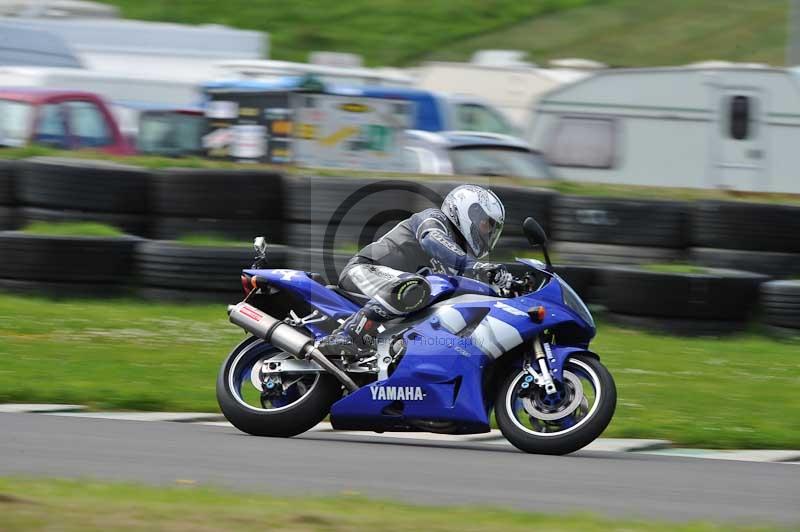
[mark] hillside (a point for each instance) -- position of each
(637, 33)
(399, 32)
(385, 32)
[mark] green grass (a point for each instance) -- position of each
(637, 33)
(25, 152)
(385, 32)
(90, 229)
(115, 354)
(150, 162)
(711, 392)
(27, 504)
(674, 268)
(210, 240)
(398, 32)
(732, 392)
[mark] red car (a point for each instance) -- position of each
(64, 119)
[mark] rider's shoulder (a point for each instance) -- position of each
(432, 214)
(430, 221)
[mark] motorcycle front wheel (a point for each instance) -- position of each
(300, 402)
(559, 423)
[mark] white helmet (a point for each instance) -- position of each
(478, 214)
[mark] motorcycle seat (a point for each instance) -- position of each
(358, 299)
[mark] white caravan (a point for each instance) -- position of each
(501, 78)
(705, 126)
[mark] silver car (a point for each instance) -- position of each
(472, 153)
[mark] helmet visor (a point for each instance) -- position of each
(485, 229)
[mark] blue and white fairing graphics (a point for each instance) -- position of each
(450, 348)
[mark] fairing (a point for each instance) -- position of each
(450, 346)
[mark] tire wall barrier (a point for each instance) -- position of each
(236, 204)
(746, 226)
(780, 304)
(707, 302)
(8, 212)
(53, 188)
(54, 265)
(171, 270)
(312, 215)
(340, 213)
(749, 236)
(619, 231)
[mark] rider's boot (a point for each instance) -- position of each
(354, 338)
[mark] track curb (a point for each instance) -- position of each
(494, 438)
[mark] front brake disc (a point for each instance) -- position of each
(577, 397)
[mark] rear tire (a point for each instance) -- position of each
(290, 420)
(585, 431)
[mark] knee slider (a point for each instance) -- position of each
(410, 293)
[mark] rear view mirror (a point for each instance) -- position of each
(534, 232)
(537, 237)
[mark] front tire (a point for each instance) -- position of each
(301, 407)
(537, 423)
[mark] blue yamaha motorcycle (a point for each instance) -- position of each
(522, 351)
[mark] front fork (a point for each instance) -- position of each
(542, 358)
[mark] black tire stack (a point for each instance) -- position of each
(708, 302)
(780, 306)
(346, 213)
(56, 189)
(234, 204)
(66, 266)
(8, 212)
(603, 231)
(583, 279)
(592, 237)
(763, 238)
(175, 271)
(596, 233)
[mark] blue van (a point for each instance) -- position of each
(433, 111)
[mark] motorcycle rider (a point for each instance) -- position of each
(391, 270)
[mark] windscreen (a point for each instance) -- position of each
(169, 133)
(499, 161)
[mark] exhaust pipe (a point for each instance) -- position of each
(284, 337)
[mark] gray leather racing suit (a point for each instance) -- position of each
(390, 271)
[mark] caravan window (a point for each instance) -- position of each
(583, 142)
(739, 121)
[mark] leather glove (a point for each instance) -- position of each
(491, 273)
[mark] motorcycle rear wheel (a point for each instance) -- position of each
(536, 423)
(301, 406)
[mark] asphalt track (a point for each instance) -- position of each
(614, 484)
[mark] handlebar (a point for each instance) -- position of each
(519, 286)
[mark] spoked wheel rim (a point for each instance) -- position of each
(576, 401)
(245, 385)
